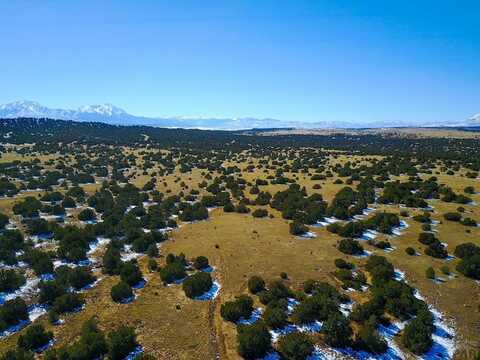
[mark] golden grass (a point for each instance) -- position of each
(249, 246)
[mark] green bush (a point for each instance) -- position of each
(466, 250)
(256, 284)
(380, 269)
(260, 213)
(452, 216)
(362, 313)
(427, 238)
(445, 269)
(130, 273)
(276, 291)
(295, 346)
(410, 251)
(13, 312)
(201, 262)
(34, 338)
(430, 273)
(121, 292)
(197, 284)
(18, 354)
(229, 207)
(50, 290)
(337, 331)
(470, 267)
(87, 215)
(342, 264)
(53, 317)
(90, 345)
(78, 277)
(152, 265)
(436, 250)
(3, 221)
(173, 271)
(317, 307)
(121, 342)
(417, 335)
(309, 286)
(241, 307)
(275, 316)
(152, 251)
(350, 247)
(112, 262)
(254, 341)
(468, 222)
(11, 280)
(297, 228)
(371, 341)
(67, 302)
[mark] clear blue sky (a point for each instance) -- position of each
(293, 60)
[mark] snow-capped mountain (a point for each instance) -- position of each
(474, 120)
(111, 114)
(28, 109)
(34, 109)
(104, 109)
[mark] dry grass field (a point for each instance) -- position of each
(408, 132)
(171, 326)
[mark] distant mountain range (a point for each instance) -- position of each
(110, 114)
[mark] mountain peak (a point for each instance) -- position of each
(22, 108)
(475, 118)
(111, 114)
(102, 109)
(28, 108)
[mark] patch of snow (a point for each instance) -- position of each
(35, 311)
(44, 347)
(211, 293)
(30, 286)
(313, 327)
(399, 275)
(346, 308)
(140, 285)
(308, 235)
(291, 305)
(256, 315)
(135, 353)
(208, 269)
(443, 337)
(99, 243)
(363, 255)
(369, 235)
(327, 221)
(128, 254)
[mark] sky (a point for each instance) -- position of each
(323, 60)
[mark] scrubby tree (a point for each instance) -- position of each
(241, 307)
(121, 292)
(130, 273)
(417, 335)
(350, 247)
(256, 284)
(197, 284)
(11, 280)
(254, 341)
(34, 338)
(337, 331)
(18, 354)
(275, 315)
(121, 342)
(200, 263)
(295, 346)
